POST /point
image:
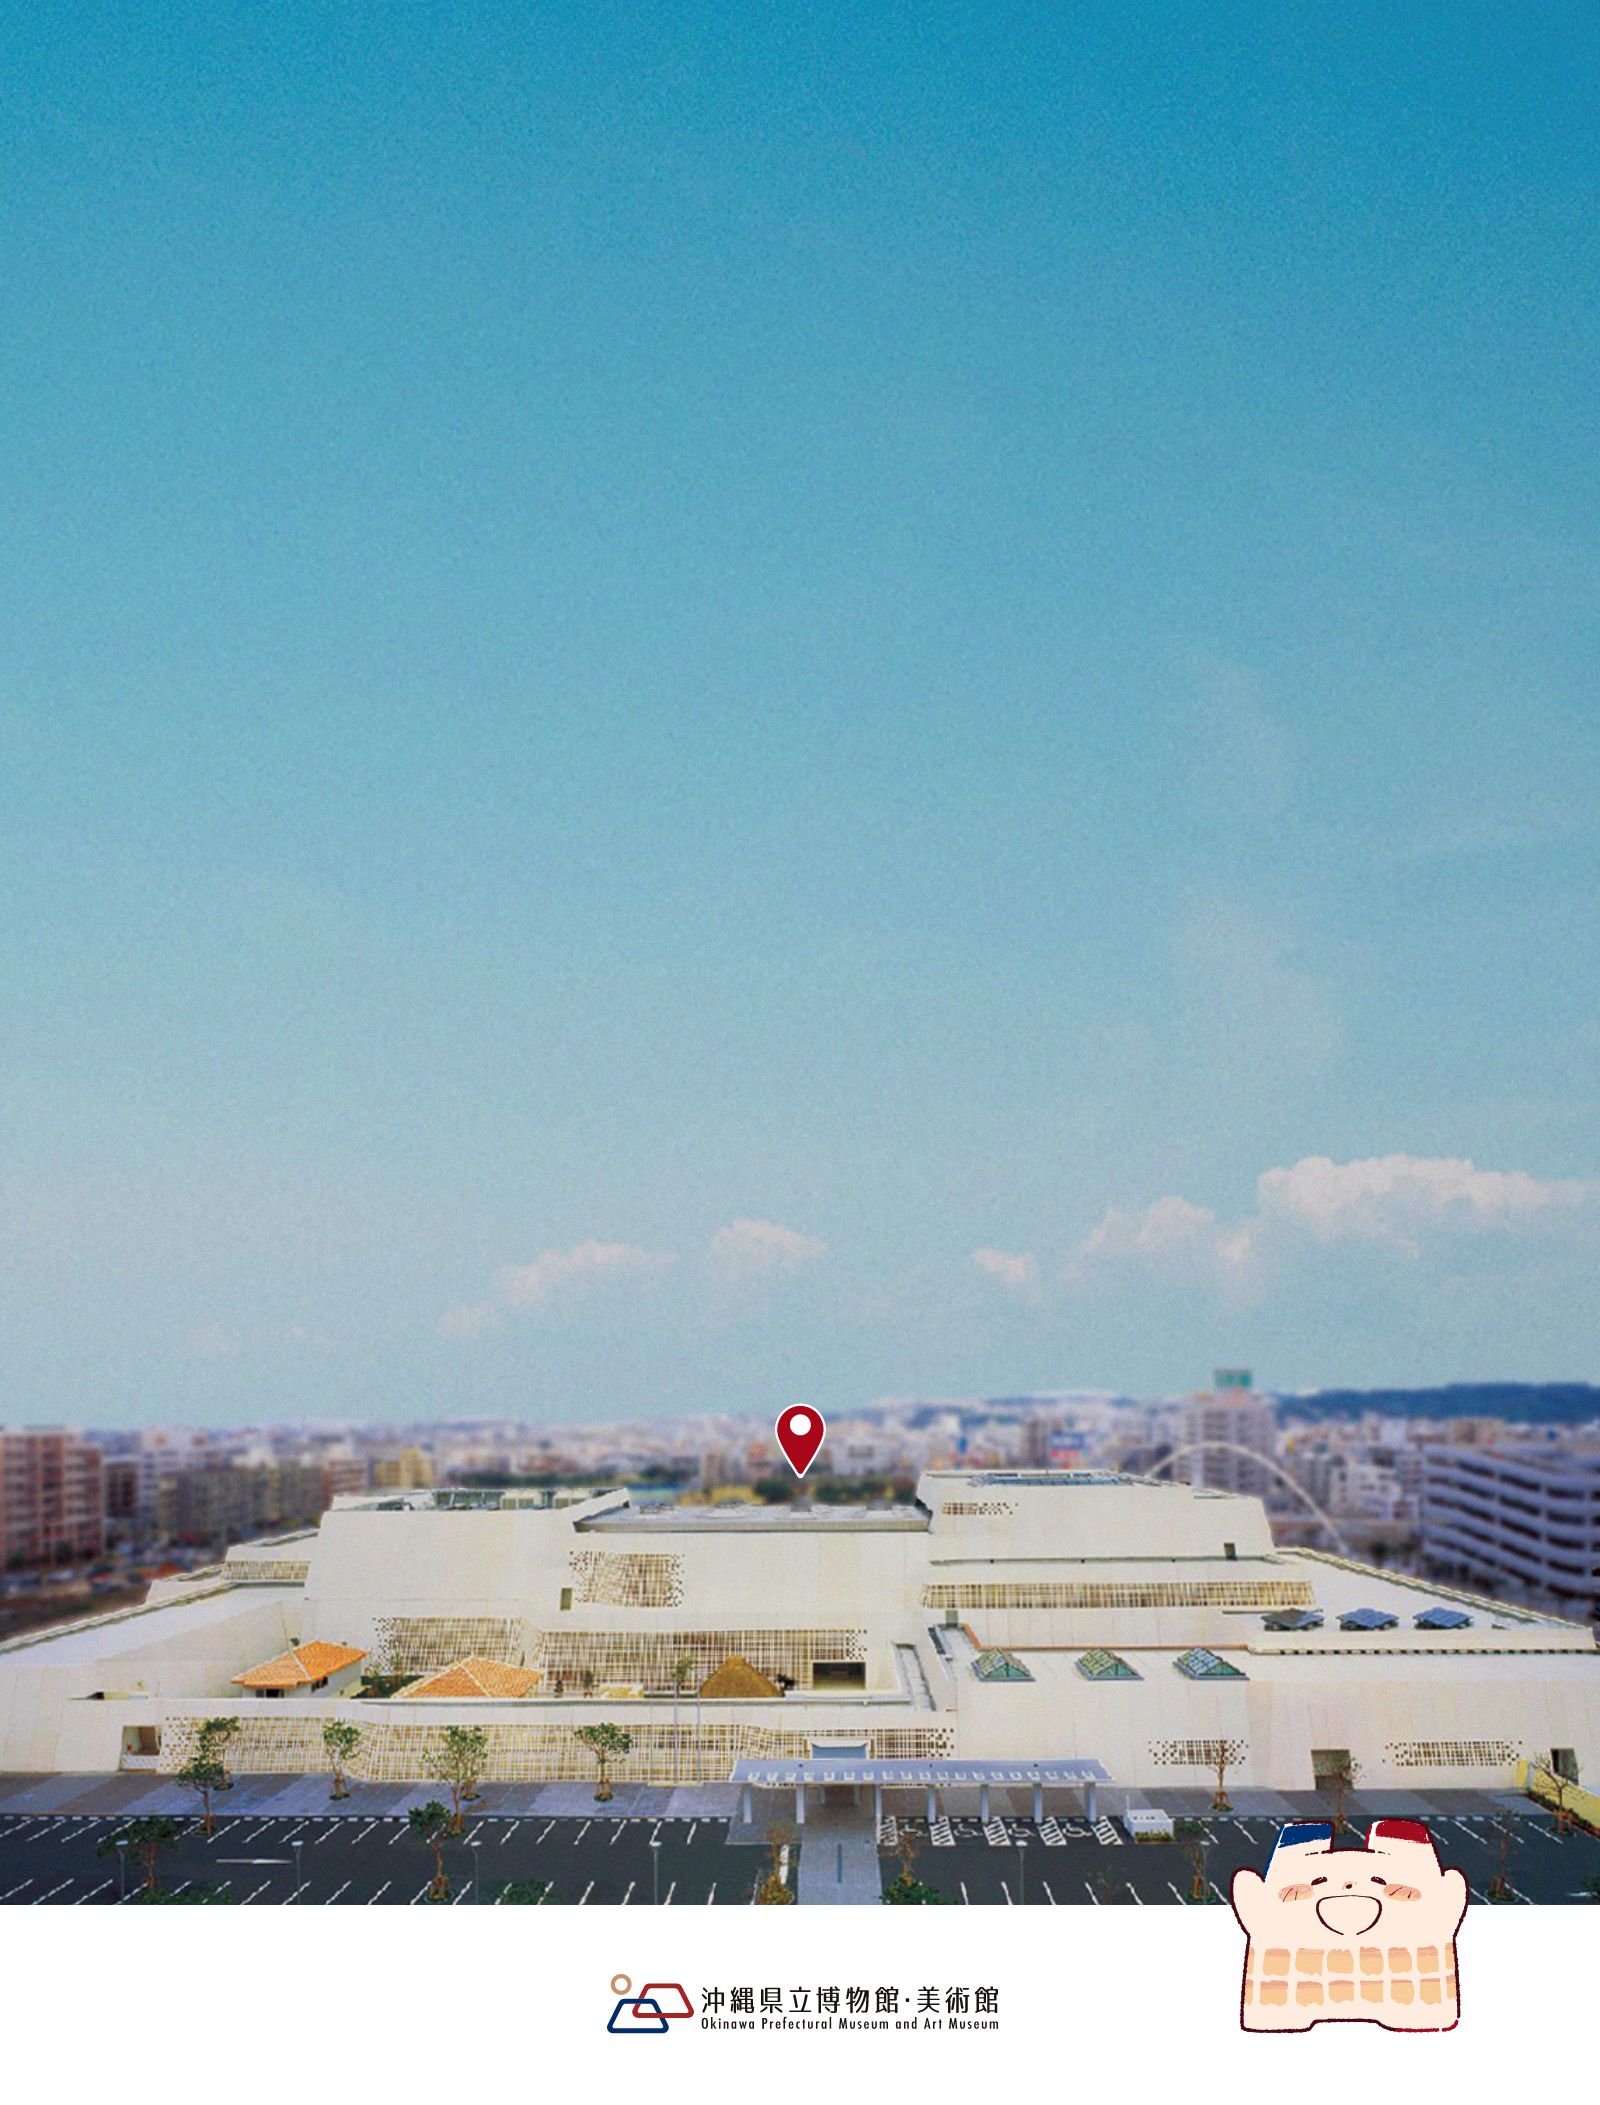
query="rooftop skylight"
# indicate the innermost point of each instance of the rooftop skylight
(1201, 1664)
(1101, 1665)
(997, 1665)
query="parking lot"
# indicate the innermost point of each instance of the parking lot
(605, 1861)
(347, 1861)
(1084, 1870)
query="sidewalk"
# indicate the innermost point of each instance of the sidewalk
(305, 1797)
(839, 1865)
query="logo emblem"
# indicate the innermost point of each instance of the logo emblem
(648, 2011)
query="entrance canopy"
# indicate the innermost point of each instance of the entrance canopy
(931, 1777)
(916, 1775)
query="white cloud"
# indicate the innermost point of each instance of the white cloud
(1400, 1199)
(745, 1250)
(1173, 1237)
(1399, 1203)
(1016, 1270)
(552, 1276)
(555, 1272)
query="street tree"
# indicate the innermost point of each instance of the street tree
(433, 1826)
(341, 1741)
(213, 1738)
(775, 1890)
(203, 1773)
(143, 1839)
(1220, 1757)
(464, 1751)
(1338, 1779)
(607, 1743)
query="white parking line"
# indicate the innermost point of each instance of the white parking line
(54, 1890)
(667, 1903)
(1177, 1896)
(584, 1895)
(1049, 1896)
(1093, 1895)
(510, 1831)
(1134, 1890)
(1006, 1890)
(26, 1883)
(257, 1893)
(965, 1895)
(388, 1882)
(82, 1897)
(629, 1894)
(711, 1896)
(539, 1837)
(582, 1831)
(616, 1834)
(693, 1824)
(354, 1839)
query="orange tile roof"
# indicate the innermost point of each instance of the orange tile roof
(474, 1677)
(301, 1667)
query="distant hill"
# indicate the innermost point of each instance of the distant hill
(1519, 1402)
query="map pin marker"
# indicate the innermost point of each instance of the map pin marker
(800, 1432)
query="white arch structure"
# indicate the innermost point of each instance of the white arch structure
(1262, 1461)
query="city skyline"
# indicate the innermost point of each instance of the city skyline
(786, 709)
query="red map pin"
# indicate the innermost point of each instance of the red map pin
(800, 1432)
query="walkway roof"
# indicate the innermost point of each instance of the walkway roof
(778, 1775)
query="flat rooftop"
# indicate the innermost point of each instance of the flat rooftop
(132, 1630)
(754, 1520)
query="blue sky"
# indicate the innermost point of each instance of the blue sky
(708, 706)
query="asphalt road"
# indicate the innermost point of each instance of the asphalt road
(351, 1861)
(1085, 1872)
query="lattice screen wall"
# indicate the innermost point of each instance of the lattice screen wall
(978, 1508)
(645, 1659)
(421, 1644)
(267, 1571)
(1453, 1754)
(627, 1578)
(1197, 1754)
(1129, 1593)
(532, 1753)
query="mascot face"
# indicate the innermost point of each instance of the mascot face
(1351, 1933)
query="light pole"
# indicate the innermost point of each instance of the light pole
(1022, 1871)
(122, 1869)
(655, 1870)
(298, 1881)
(477, 1871)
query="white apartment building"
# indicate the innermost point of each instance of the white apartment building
(1528, 1516)
(1016, 1615)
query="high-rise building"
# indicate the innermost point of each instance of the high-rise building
(232, 1502)
(1226, 1428)
(409, 1470)
(52, 1499)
